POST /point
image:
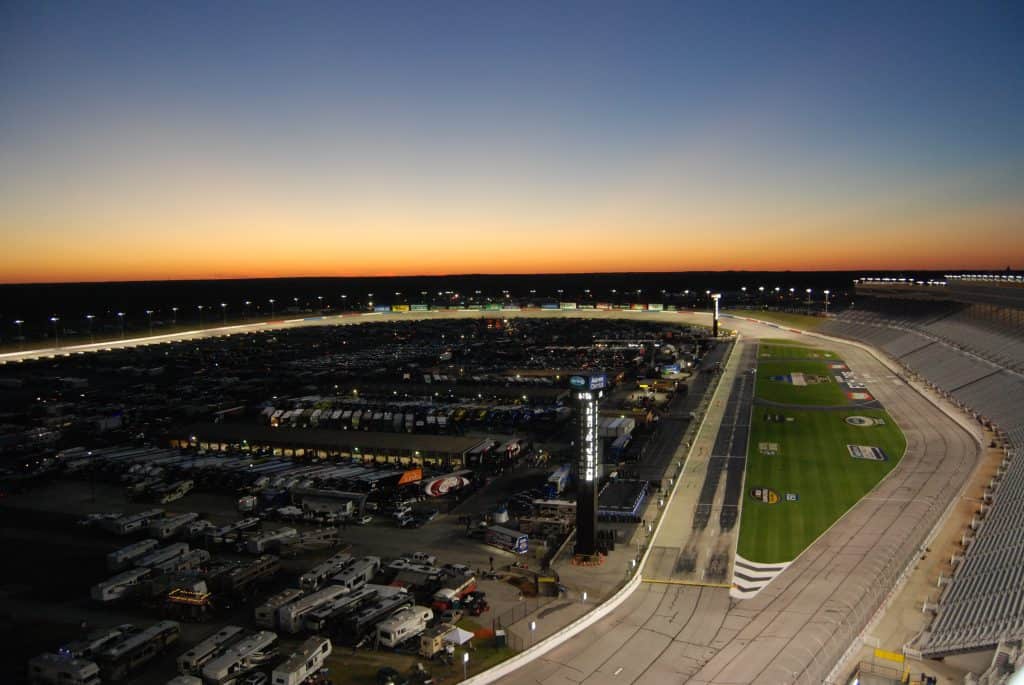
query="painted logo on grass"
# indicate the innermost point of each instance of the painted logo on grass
(864, 421)
(766, 495)
(868, 452)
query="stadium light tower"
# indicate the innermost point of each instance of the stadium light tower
(715, 297)
(587, 391)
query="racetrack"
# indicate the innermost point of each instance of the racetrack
(797, 628)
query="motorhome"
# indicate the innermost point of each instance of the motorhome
(266, 613)
(264, 541)
(122, 558)
(175, 491)
(118, 661)
(55, 669)
(311, 579)
(240, 658)
(162, 555)
(358, 573)
(163, 528)
(304, 662)
(119, 586)
(290, 616)
(361, 623)
(192, 661)
(96, 641)
(129, 523)
(327, 615)
(404, 625)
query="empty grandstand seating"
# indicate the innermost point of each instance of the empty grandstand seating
(975, 355)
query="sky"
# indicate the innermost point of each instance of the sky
(154, 140)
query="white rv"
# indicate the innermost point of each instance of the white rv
(54, 669)
(311, 579)
(266, 613)
(289, 617)
(191, 661)
(121, 558)
(358, 573)
(240, 658)
(404, 625)
(159, 556)
(163, 528)
(303, 663)
(118, 586)
(263, 541)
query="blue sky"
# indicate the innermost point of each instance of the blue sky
(521, 119)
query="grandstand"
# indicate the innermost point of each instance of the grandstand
(964, 337)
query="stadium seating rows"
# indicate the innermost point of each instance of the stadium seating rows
(976, 367)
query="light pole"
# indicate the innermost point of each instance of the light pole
(120, 315)
(174, 316)
(826, 302)
(808, 301)
(21, 333)
(200, 308)
(224, 311)
(149, 314)
(271, 308)
(248, 305)
(56, 331)
(320, 298)
(89, 318)
(465, 665)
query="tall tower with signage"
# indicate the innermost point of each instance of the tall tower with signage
(587, 391)
(714, 329)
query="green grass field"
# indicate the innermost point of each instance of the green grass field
(826, 393)
(810, 459)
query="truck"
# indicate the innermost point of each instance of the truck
(404, 625)
(558, 480)
(507, 539)
(307, 660)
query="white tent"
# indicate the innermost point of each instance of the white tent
(458, 636)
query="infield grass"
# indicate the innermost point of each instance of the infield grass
(826, 393)
(810, 460)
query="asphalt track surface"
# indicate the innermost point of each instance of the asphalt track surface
(797, 628)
